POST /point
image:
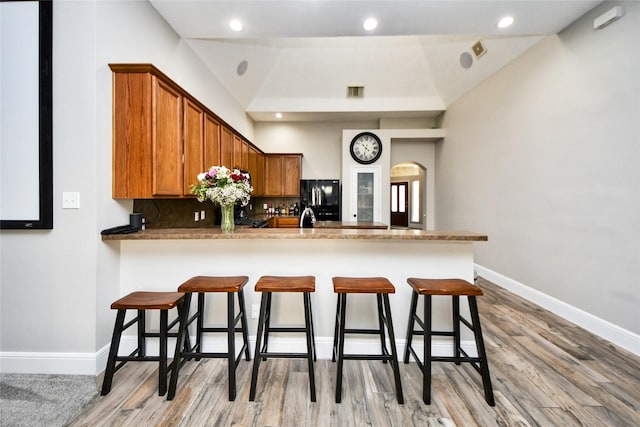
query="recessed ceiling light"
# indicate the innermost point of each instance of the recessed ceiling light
(235, 25)
(278, 115)
(505, 22)
(370, 24)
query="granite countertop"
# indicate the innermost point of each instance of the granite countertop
(350, 224)
(298, 233)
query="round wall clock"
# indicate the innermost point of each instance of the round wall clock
(365, 148)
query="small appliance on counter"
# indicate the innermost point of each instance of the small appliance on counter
(322, 196)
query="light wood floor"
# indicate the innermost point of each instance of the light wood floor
(545, 372)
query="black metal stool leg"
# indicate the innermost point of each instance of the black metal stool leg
(336, 330)
(394, 353)
(484, 364)
(267, 324)
(183, 312)
(456, 328)
(113, 352)
(243, 324)
(383, 344)
(343, 306)
(231, 348)
(257, 356)
(162, 371)
(412, 313)
(426, 364)
(313, 334)
(310, 345)
(142, 332)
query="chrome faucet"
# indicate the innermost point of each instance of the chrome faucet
(304, 213)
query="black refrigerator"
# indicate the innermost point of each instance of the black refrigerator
(323, 196)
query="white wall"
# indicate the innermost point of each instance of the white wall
(57, 285)
(543, 157)
(319, 142)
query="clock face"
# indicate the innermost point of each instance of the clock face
(366, 148)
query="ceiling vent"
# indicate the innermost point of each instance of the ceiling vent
(355, 91)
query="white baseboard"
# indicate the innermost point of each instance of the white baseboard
(94, 363)
(604, 329)
(54, 363)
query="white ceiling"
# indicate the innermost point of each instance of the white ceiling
(302, 54)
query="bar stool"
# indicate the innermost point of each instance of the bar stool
(142, 302)
(454, 288)
(365, 285)
(268, 285)
(232, 285)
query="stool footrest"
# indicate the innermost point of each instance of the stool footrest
(362, 331)
(284, 355)
(285, 329)
(367, 357)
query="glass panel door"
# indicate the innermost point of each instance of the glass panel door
(365, 196)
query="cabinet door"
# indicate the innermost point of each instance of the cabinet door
(253, 169)
(193, 130)
(131, 136)
(166, 140)
(226, 147)
(291, 166)
(366, 194)
(211, 142)
(260, 175)
(273, 175)
(240, 153)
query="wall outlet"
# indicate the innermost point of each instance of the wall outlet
(202, 214)
(255, 311)
(196, 216)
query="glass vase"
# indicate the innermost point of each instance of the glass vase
(226, 223)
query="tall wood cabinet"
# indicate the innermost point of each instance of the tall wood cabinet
(147, 134)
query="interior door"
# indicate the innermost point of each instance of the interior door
(399, 204)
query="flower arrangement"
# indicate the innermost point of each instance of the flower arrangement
(224, 186)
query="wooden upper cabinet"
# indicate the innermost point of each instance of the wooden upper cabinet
(226, 147)
(193, 130)
(240, 153)
(272, 175)
(212, 129)
(282, 174)
(132, 118)
(167, 139)
(291, 171)
(163, 138)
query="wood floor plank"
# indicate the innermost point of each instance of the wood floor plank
(545, 372)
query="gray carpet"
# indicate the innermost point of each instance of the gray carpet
(43, 400)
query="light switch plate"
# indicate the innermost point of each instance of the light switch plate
(70, 200)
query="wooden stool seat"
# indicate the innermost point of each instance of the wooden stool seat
(444, 287)
(148, 301)
(381, 287)
(362, 285)
(455, 288)
(269, 285)
(141, 302)
(214, 284)
(286, 284)
(201, 285)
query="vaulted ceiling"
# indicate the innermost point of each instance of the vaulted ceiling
(298, 57)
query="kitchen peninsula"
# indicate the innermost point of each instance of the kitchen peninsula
(162, 259)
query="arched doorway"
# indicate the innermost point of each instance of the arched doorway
(407, 197)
